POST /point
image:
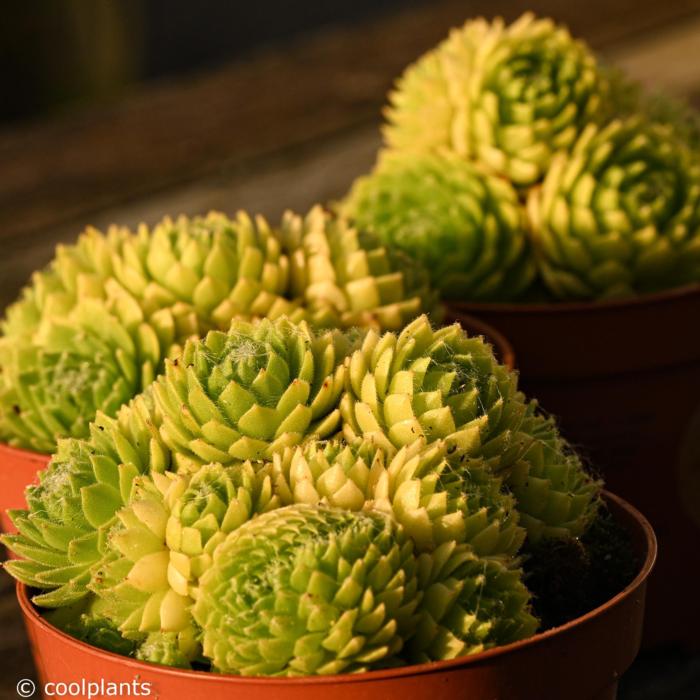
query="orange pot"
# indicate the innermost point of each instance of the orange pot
(581, 660)
(18, 469)
(624, 379)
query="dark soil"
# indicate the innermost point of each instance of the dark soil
(568, 578)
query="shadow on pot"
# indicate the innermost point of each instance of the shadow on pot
(581, 660)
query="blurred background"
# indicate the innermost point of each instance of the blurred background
(124, 112)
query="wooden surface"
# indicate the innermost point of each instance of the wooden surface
(283, 129)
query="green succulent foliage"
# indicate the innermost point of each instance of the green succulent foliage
(131, 580)
(94, 329)
(470, 604)
(309, 590)
(433, 385)
(556, 497)
(465, 226)
(62, 534)
(434, 496)
(508, 97)
(620, 214)
(217, 501)
(98, 632)
(348, 278)
(250, 392)
(166, 649)
(88, 361)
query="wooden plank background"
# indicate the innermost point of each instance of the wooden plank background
(284, 128)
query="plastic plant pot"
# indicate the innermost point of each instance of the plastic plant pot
(18, 469)
(581, 660)
(623, 378)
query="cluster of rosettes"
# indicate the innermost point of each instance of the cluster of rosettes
(285, 501)
(517, 167)
(95, 328)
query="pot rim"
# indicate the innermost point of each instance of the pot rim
(24, 453)
(32, 617)
(554, 307)
(494, 337)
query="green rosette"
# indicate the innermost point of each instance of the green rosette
(166, 649)
(508, 97)
(347, 278)
(465, 226)
(70, 513)
(131, 581)
(426, 384)
(620, 214)
(556, 497)
(223, 268)
(250, 392)
(434, 496)
(217, 501)
(94, 328)
(470, 604)
(88, 361)
(309, 590)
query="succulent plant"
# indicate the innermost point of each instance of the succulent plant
(556, 498)
(308, 590)
(470, 604)
(347, 278)
(95, 328)
(433, 384)
(97, 632)
(87, 361)
(248, 393)
(508, 97)
(62, 533)
(620, 214)
(465, 226)
(131, 580)
(217, 501)
(433, 496)
(166, 649)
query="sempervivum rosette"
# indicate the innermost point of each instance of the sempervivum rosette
(433, 384)
(469, 605)
(556, 497)
(620, 214)
(94, 328)
(347, 278)
(217, 500)
(309, 590)
(131, 580)
(433, 495)
(90, 360)
(222, 268)
(61, 534)
(506, 96)
(465, 226)
(249, 392)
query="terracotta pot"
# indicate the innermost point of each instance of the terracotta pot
(18, 469)
(624, 379)
(582, 660)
